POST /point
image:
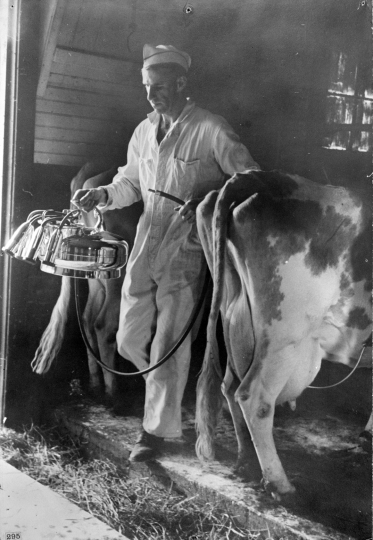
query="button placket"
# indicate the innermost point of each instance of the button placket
(165, 150)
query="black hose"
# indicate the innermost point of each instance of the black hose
(192, 320)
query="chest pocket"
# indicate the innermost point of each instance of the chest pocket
(184, 178)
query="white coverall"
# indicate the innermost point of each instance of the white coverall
(166, 268)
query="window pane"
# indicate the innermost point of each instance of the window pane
(362, 142)
(363, 112)
(339, 110)
(367, 112)
(337, 141)
(349, 105)
(343, 78)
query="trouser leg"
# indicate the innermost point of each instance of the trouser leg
(138, 316)
(165, 385)
(154, 314)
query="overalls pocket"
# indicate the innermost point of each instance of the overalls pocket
(184, 178)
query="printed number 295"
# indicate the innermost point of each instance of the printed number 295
(13, 536)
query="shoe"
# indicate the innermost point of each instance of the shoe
(146, 447)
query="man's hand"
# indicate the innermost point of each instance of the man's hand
(188, 210)
(87, 199)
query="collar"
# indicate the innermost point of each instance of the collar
(154, 117)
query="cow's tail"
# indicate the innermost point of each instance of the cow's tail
(209, 395)
(52, 338)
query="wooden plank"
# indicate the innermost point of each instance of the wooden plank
(50, 45)
(117, 121)
(91, 66)
(72, 109)
(83, 98)
(73, 149)
(47, 158)
(91, 85)
(75, 135)
(134, 100)
(72, 122)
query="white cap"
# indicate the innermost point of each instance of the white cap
(164, 54)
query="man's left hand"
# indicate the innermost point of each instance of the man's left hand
(188, 210)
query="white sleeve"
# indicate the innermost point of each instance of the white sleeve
(230, 153)
(125, 187)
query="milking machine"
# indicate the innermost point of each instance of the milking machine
(64, 246)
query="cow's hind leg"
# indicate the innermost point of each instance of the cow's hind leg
(106, 327)
(257, 397)
(247, 462)
(239, 344)
(96, 297)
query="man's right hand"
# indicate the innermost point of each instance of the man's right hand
(87, 199)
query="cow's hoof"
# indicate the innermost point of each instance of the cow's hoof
(283, 496)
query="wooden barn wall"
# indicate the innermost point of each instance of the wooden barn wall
(263, 64)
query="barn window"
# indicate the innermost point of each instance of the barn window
(349, 105)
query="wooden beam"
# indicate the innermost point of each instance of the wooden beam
(50, 45)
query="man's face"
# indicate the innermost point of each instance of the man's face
(162, 91)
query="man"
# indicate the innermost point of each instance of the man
(185, 151)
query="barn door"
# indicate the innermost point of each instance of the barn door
(10, 154)
(9, 31)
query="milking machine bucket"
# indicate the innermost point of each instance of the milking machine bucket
(65, 246)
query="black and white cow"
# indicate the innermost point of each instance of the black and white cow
(290, 261)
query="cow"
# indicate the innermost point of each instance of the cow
(101, 313)
(290, 261)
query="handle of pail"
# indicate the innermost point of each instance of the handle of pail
(100, 222)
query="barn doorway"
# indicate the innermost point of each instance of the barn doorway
(9, 27)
